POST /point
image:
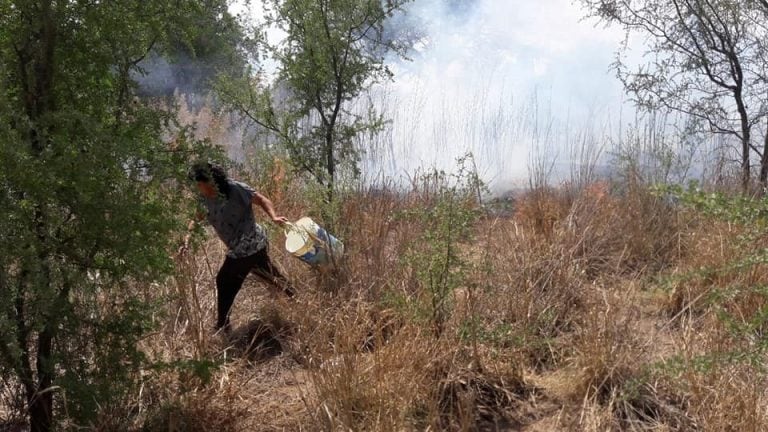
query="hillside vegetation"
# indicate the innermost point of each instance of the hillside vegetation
(620, 299)
(611, 306)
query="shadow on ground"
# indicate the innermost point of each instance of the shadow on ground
(259, 340)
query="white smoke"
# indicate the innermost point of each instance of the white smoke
(503, 79)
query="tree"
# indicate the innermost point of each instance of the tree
(84, 211)
(762, 70)
(704, 59)
(333, 51)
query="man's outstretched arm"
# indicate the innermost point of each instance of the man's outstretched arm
(269, 208)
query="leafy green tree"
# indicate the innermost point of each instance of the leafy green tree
(334, 50)
(87, 203)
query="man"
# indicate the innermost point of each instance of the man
(228, 204)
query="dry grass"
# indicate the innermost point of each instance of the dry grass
(574, 331)
(578, 316)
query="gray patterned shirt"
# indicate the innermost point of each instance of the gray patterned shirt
(232, 218)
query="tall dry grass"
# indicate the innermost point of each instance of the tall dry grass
(578, 313)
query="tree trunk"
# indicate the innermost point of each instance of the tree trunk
(39, 406)
(41, 403)
(745, 169)
(40, 400)
(764, 164)
(330, 165)
(745, 140)
(41, 409)
(40, 101)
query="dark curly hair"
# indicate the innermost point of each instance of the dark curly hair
(210, 173)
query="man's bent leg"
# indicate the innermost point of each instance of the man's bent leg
(266, 269)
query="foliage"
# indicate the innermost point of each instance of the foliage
(735, 291)
(748, 211)
(88, 198)
(333, 51)
(437, 257)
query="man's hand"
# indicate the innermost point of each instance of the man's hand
(280, 220)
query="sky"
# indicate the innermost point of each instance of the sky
(502, 79)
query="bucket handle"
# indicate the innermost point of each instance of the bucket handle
(293, 227)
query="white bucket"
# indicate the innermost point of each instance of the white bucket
(311, 243)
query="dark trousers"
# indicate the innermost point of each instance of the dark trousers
(233, 272)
